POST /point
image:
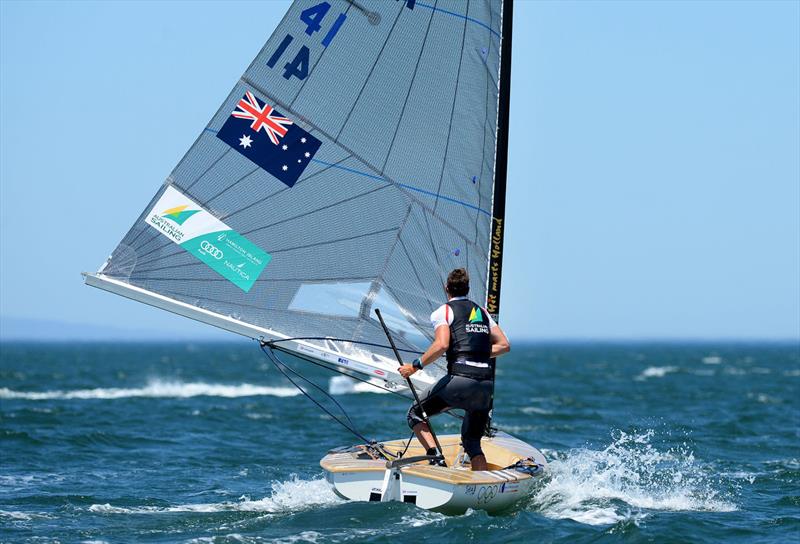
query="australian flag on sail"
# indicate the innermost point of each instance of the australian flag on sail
(268, 138)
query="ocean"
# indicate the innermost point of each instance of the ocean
(192, 442)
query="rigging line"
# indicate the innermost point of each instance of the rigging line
(317, 387)
(410, 188)
(452, 111)
(408, 93)
(454, 14)
(278, 363)
(326, 367)
(273, 345)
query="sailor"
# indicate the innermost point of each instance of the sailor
(471, 339)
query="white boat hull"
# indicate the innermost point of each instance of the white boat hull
(450, 490)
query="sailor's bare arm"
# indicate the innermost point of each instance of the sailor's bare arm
(500, 343)
(440, 344)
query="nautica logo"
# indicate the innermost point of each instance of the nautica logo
(475, 316)
(179, 214)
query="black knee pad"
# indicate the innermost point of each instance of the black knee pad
(414, 416)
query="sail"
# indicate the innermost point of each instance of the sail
(352, 166)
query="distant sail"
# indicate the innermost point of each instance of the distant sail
(351, 167)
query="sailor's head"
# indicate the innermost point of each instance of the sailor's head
(457, 283)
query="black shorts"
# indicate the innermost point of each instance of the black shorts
(471, 395)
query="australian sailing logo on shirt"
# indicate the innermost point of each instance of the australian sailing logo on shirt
(476, 324)
(224, 250)
(269, 138)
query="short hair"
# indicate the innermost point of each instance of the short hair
(458, 282)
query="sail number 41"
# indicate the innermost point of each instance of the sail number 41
(313, 18)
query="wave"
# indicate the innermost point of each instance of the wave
(621, 481)
(343, 385)
(156, 388)
(13, 515)
(655, 372)
(290, 496)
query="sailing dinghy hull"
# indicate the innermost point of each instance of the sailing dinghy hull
(356, 476)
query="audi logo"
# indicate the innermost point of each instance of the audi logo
(208, 248)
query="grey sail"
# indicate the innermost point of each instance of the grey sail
(367, 175)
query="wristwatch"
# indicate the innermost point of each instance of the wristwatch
(417, 364)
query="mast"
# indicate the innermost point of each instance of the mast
(494, 277)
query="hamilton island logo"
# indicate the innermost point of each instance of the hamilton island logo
(476, 316)
(179, 214)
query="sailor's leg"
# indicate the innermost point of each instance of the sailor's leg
(423, 434)
(471, 433)
(432, 404)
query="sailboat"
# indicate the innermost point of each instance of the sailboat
(360, 157)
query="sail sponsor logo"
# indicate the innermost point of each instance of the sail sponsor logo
(196, 230)
(207, 248)
(179, 214)
(171, 220)
(495, 267)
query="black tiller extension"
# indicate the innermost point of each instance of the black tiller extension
(411, 386)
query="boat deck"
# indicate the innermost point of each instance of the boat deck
(500, 451)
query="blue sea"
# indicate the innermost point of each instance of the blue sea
(176, 442)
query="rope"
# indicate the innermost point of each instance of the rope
(323, 365)
(278, 364)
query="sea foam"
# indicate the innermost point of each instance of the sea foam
(289, 496)
(156, 388)
(622, 481)
(655, 372)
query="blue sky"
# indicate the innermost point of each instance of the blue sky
(654, 165)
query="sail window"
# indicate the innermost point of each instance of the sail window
(337, 299)
(399, 320)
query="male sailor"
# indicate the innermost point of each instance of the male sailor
(471, 339)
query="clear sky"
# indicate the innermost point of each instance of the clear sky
(654, 164)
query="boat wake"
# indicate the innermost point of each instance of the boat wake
(287, 497)
(622, 481)
(156, 389)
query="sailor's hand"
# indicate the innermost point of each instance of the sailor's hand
(407, 370)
